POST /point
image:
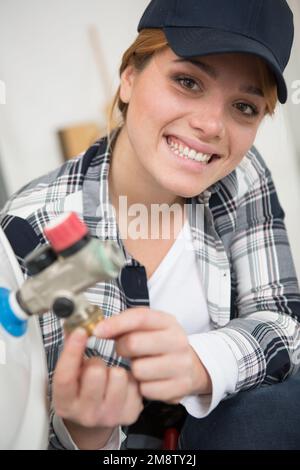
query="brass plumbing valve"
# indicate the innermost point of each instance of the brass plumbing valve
(64, 269)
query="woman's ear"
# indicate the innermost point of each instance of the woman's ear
(127, 81)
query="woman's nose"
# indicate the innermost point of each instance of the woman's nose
(209, 121)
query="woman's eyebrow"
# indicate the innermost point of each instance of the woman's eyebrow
(209, 70)
(252, 90)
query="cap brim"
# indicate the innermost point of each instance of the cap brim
(192, 42)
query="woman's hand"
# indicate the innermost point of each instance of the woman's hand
(92, 398)
(162, 360)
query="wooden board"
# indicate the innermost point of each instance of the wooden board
(76, 139)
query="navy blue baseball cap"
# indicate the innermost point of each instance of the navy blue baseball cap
(264, 28)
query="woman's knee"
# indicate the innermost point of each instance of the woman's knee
(264, 418)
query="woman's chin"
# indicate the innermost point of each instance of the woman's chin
(185, 191)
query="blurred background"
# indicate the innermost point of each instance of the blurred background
(59, 62)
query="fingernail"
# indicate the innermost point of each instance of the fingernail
(100, 329)
(79, 334)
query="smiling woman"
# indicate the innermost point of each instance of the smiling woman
(211, 311)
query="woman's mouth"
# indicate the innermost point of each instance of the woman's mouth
(184, 152)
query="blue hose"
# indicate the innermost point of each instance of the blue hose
(8, 320)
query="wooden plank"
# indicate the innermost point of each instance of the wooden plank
(76, 139)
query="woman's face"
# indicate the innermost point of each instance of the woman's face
(181, 113)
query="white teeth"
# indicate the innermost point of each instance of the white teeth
(202, 158)
(192, 154)
(187, 152)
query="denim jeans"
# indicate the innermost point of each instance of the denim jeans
(265, 418)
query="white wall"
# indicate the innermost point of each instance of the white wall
(52, 80)
(51, 77)
(275, 142)
(279, 142)
(293, 78)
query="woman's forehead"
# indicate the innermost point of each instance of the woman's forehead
(233, 71)
(212, 60)
(239, 64)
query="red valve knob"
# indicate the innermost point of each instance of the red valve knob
(170, 440)
(65, 231)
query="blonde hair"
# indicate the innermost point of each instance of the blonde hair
(139, 54)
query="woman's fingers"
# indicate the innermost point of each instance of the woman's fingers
(115, 395)
(133, 319)
(93, 383)
(151, 343)
(123, 402)
(134, 402)
(163, 367)
(163, 390)
(109, 400)
(89, 393)
(67, 372)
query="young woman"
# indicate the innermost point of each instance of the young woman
(210, 310)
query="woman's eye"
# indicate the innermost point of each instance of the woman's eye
(247, 109)
(188, 83)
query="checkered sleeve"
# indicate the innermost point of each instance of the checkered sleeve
(264, 334)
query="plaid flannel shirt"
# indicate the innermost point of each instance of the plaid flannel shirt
(241, 249)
